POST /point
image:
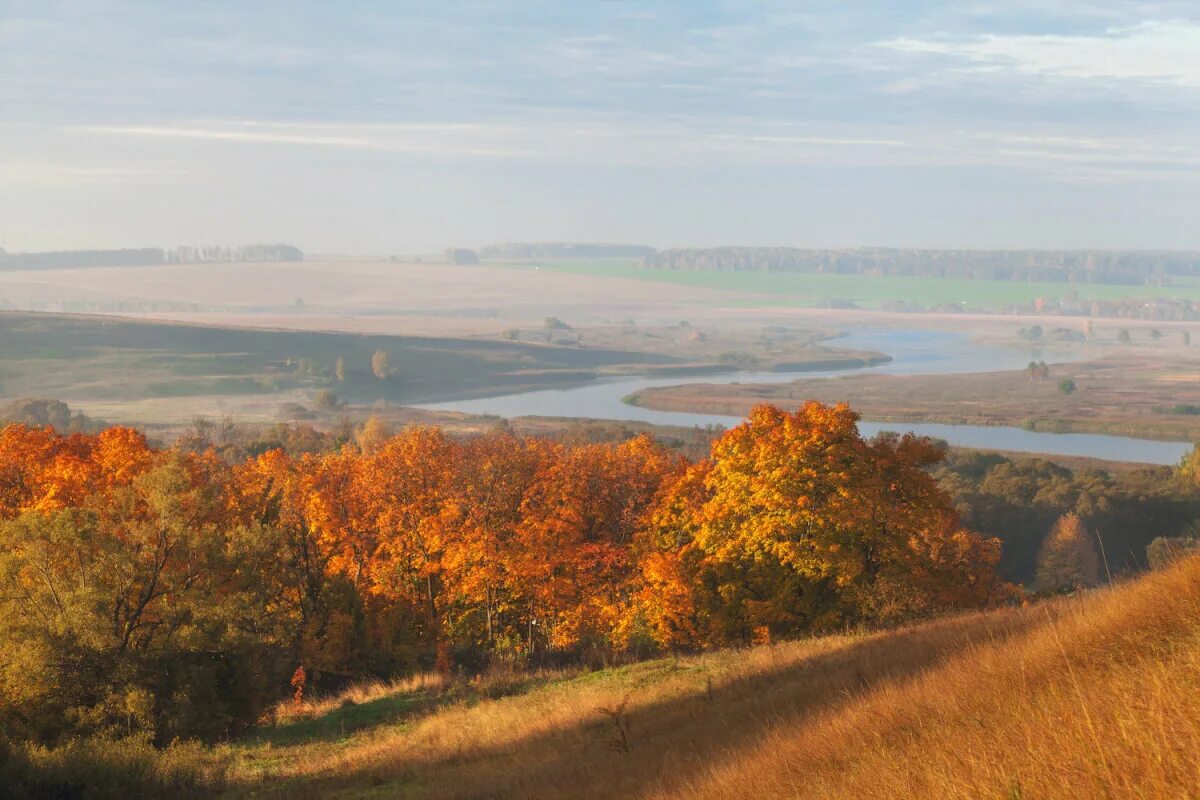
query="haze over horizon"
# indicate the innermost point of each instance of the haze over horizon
(406, 127)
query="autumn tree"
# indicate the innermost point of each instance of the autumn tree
(139, 594)
(339, 369)
(578, 526)
(177, 592)
(491, 601)
(296, 504)
(372, 434)
(404, 488)
(326, 400)
(1067, 561)
(1187, 471)
(380, 364)
(797, 523)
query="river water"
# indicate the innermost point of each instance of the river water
(912, 352)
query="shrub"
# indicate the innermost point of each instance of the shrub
(104, 768)
(1165, 550)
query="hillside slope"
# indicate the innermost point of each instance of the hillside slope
(1102, 700)
(1076, 697)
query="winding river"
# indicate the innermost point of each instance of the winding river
(912, 352)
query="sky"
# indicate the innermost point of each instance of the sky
(398, 127)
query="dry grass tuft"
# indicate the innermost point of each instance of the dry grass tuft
(286, 711)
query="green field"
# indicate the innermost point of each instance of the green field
(810, 289)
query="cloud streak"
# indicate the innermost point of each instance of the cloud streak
(1165, 53)
(650, 143)
(604, 107)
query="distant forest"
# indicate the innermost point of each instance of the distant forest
(150, 256)
(565, 250)
(1143, 268)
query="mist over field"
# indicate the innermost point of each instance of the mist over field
(506, 400)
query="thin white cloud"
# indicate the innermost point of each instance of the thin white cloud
(1161, 52)
(39, 174)
(604, 141)
(430, 139)
(835, 142)
(599, 141)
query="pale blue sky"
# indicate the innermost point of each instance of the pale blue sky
(403, 127)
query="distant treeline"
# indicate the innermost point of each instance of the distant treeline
(565, 250)
(1151, 268)
(149, 256)
(249, 252)
(1156, 308)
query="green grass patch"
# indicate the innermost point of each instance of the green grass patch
(808, 289)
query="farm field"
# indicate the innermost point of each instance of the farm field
(373, 296)
(807, 289)
(465, 299)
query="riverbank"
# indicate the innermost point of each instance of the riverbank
(1141, 394)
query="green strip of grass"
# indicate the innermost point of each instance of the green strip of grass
(806, 289)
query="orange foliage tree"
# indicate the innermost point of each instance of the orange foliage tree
(798, 523)
(417, 550)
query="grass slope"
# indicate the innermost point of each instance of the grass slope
(108, 358)
(1096, 696)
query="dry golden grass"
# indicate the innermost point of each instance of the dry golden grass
(614, 732)
(1091, 697)
(288, 711)
(1101, 701)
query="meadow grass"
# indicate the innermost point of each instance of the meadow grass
(1103, 700)
(108, 768)
(1090, 696)
(607, 733)
(92, 358)
(1096, 695)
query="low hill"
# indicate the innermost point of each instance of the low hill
(1091, 696)
(83, 358)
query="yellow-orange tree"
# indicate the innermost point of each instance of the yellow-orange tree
(796, 523)
(128, 601)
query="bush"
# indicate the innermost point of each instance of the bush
(104, 768)
(1186, 409)
(1066, 386)
(327, 400)
(1165, 550)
